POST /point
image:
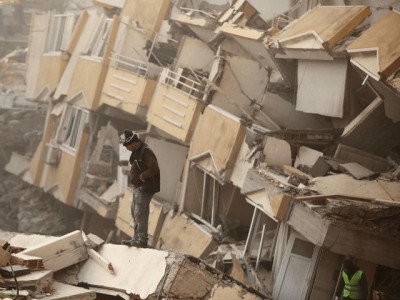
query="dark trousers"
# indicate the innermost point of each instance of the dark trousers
(140, 210)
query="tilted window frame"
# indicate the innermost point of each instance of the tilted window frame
(74, 120)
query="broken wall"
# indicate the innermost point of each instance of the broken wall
(240, 94)
(147, 15)
(204, 55)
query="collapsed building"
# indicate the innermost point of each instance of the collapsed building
(277, 134)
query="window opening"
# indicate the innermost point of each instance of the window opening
(60, 31)
(73, 124)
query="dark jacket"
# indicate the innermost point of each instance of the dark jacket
(145, 173)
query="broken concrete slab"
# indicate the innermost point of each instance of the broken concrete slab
(357, 171)
(307, 137)
(217, 153)
(342, 238)
(392, 188)
(106, 204)
(368, 160)
(40, 280)
(372, 131)
(17, 165)
(318, 78)
(182, 234)
(62, 291)
(244, 162)
(137, 271)
(307, 157)
(62, 252)
(110, 3)
(346, 185)
(259, 189)
(308, 32)
(24, 241)
(15, 270)
(231, 292)
(320, 168)
(32, 262)
(277, 152)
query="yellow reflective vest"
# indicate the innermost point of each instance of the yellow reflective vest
(352, 287)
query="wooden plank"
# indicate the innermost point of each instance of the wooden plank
(62, 252)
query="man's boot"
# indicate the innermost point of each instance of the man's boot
(138, 244)
(134, 243)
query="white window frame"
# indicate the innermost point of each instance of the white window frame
(99, 41)
(74, 119)
(59, 34)
(209, 206)
(258, 226)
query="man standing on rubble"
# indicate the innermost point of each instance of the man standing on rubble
(145, 178)
(353, 284)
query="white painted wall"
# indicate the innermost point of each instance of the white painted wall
(321, 87)
(171, 158)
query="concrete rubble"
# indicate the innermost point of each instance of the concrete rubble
(276, 128)
(42, 271)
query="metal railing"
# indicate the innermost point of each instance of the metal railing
(188, 86)
(201, 12)
(129, 64)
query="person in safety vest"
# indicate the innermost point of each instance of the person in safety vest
(145, 179)
(353, 284)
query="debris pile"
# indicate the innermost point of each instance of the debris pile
(35, 266)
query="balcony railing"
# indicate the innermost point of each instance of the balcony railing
(185, 84)
(129, 64)
(190, 11)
